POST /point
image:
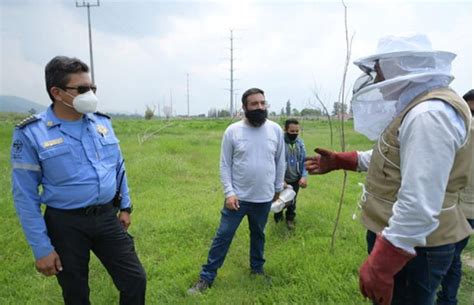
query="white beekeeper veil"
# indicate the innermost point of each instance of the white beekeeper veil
(406, 63)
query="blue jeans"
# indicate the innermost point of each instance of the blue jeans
(450, 284)
(417, 282)
(257, 214)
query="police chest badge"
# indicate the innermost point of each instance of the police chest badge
(53, 142)
(102, 130)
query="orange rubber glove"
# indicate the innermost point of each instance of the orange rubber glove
(377, 272)
(327, 161)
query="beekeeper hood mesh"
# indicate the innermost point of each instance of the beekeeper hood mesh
(407, 64)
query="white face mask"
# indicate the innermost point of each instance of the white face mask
(84, 103)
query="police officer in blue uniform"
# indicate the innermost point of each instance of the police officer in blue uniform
(72, 152)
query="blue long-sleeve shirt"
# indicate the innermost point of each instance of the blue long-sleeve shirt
(295, 154)
(75, 163)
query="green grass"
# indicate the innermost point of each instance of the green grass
(175, 188)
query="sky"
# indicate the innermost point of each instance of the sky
(144, 50)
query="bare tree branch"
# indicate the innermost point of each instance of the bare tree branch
(147, 135)
(318, 98)
(343, 141)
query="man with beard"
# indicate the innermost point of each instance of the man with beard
(252, 169)
(415, 170)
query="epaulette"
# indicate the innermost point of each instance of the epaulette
(102, 114)
(28, 120)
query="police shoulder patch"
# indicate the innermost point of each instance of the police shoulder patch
(28, 120)
(102, 114)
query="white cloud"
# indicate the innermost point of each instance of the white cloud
(284, 47)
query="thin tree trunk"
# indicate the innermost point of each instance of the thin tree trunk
(343, 143)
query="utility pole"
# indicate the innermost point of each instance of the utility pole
(232, 73)
(171, 101)
(187, 90)
(88, 5)
(164, 106)
(236, 108)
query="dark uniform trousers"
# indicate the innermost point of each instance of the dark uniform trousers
(290, 209)
(74, 233)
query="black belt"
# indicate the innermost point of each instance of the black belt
(89, 210)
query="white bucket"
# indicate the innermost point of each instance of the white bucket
(285, 198)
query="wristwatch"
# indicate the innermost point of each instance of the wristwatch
(128, 210)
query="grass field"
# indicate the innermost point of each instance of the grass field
(175, 188)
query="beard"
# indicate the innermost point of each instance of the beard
(256, 117)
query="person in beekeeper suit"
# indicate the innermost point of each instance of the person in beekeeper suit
(415, 169)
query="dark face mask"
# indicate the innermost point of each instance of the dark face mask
(256, 117)
(292, 136)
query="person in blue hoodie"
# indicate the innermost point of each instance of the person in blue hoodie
(296, 174)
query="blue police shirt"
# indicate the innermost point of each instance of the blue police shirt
(77, 164)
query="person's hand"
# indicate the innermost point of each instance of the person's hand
(276, 196)
(49, 265)
(303, 182)
(124, 218)
(312, 164)
(232, 203)
(377, 272)
(326, 161)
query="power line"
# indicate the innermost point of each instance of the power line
(88, 5)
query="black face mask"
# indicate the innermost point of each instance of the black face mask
(292, 136)
(256, 117)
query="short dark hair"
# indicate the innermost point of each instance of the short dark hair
(288, 122)
(57, 71)
(469, 96)
(250, 92)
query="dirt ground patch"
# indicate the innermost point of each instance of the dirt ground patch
(468, 260)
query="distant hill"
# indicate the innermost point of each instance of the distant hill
(10, 103)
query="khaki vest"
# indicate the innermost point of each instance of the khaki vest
(467, 194)
(384, 177)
